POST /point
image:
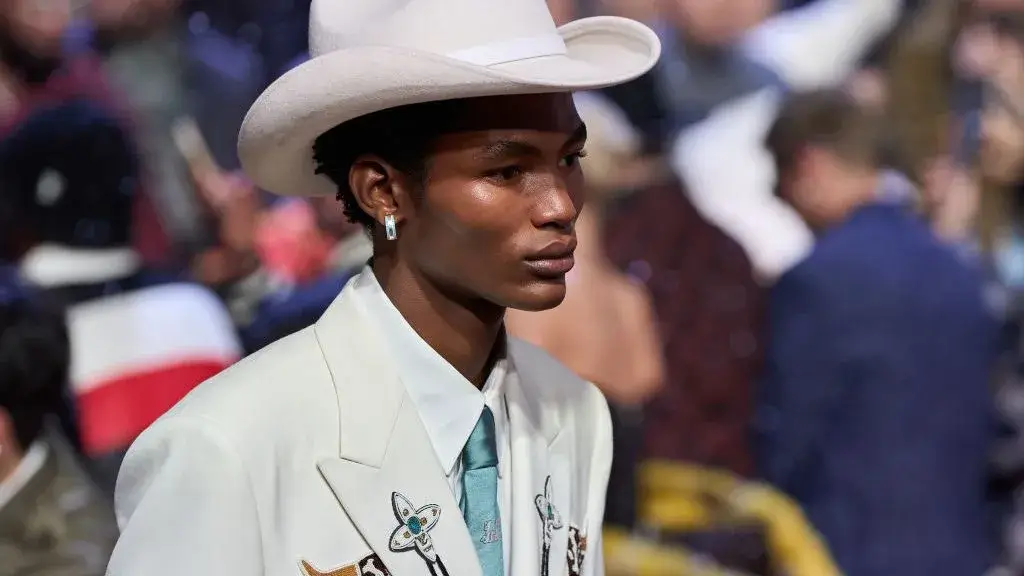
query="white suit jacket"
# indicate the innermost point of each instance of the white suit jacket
(308, 458)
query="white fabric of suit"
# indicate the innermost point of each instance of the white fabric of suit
(288, 463)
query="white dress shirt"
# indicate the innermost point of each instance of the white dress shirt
(448, 404)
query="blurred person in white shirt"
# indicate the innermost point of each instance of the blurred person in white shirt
(728, 173)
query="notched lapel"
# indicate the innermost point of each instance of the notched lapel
(386, 471)
(405, 509)
(535, 438)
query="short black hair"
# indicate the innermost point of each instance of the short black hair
(34, 362)
(402, 137)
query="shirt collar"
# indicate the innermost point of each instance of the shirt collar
(448, 404)
(51, 265)
(30, 465)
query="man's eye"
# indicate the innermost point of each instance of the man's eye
(573, 159)
(507, 173)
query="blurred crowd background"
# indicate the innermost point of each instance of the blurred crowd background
(803, 383)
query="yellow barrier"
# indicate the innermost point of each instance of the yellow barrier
(677, 497)
(627, 555)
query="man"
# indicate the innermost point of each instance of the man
(69, 175)
(403, 433)
(53, 521)
(41, 65)
(712, 310)
(141, 44)
(815, 46)
(604, 330)
(875, 410)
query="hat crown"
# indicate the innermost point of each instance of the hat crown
(462, 29)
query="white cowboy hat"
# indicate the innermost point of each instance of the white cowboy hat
(369, 55)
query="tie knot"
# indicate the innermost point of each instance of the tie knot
(481, 449)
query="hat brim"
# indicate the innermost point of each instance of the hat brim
(275, 144)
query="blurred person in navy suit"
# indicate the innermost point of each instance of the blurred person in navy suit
(875, 411)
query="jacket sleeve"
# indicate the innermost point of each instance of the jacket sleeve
(600, 471)
(185, 505)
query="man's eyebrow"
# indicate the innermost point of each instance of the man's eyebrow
(503, 149)
(512, 148)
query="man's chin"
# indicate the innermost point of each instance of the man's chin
(538, 296)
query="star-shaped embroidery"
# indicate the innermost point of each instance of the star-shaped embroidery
(549, 516)
(414, 527)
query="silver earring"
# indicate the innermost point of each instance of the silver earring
(390, 228)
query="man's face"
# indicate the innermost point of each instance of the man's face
(38, 25)
(496, 218)
(1002, 117)
(642, 10)
(1002, 147)
(809, 187)
(118, 14)
(717, 22)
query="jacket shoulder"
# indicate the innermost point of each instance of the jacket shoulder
(549, 381)
(287, 381)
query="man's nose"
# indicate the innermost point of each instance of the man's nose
(558, 207)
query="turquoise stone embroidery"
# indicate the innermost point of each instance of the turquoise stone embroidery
(414, 524)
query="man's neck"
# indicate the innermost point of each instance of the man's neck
(463, 331)
(851, 194)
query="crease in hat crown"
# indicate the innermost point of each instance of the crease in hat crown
(480, 32)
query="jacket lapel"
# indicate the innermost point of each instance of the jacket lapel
(387, 477)
(540, 475)
(561, 498)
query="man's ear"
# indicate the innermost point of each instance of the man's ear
(379, 188)
(812, 159)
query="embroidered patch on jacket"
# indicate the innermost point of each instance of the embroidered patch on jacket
(577, 550)
(309, 570)
(372, 566)
(413, 531)
(550, 520)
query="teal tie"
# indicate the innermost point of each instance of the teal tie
(480, 494)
